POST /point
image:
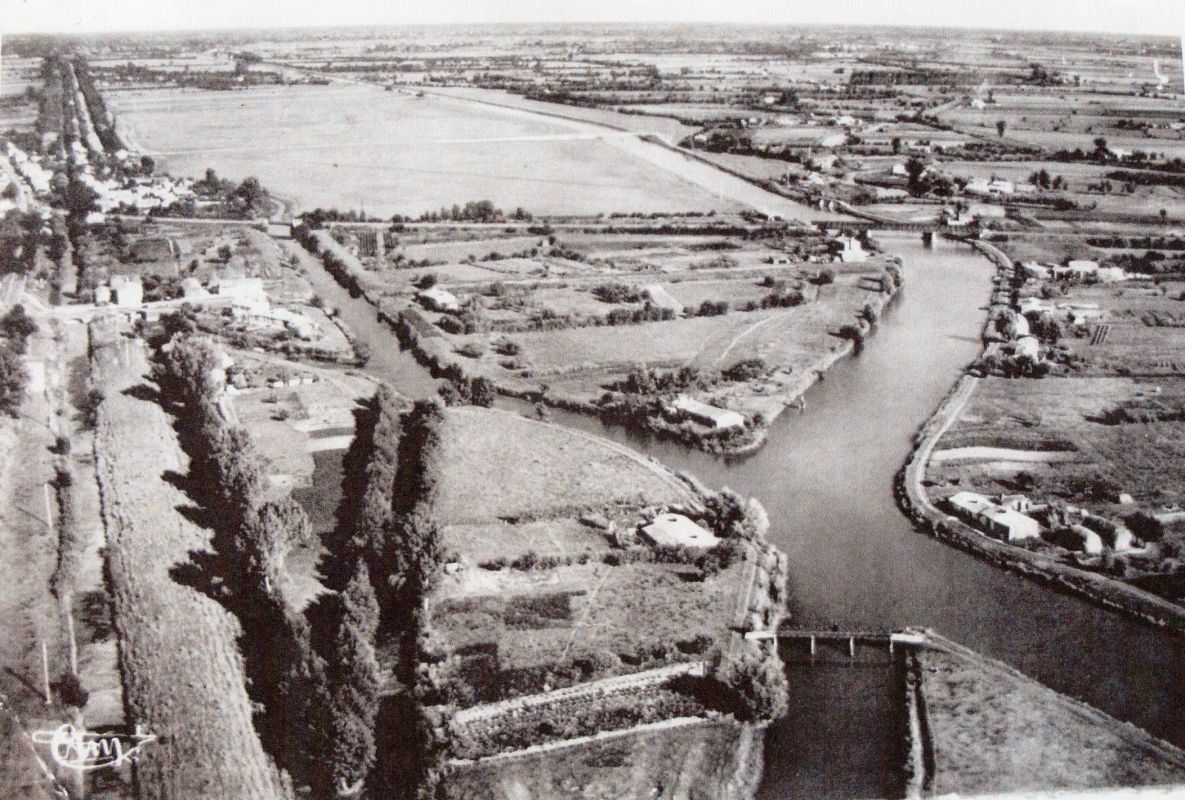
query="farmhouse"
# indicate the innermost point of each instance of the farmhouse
(1076, 270)
(852, 251)
(438, 299)
(676, 530)
(715, 418)
(127, 291)
(998, 521)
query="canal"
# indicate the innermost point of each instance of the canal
(825, 476)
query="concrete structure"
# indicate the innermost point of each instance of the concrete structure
(710, 416)
(1003, 522)
(676, 530)
(438, 299)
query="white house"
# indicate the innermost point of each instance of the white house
(852, 251)
(709, 416)
(1027, 347)
(127, 291)
(676, 530)
(438, 299)
(1001, 522)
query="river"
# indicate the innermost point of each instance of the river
(825, 477)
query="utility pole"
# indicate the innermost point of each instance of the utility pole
(45, 672)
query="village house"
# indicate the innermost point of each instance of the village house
(438, 299)
(676, 530)
(1036, 305)
(1002, 522)
(1032, 269)
(1028, 348)
(851, 251)
(1078, 270)
(126, 291)
(717, 419)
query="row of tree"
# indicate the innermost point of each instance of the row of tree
(314, 686)
(15, 329)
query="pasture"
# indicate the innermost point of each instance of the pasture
(358, 147)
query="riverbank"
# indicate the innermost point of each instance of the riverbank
(914, 502)
(992, 729)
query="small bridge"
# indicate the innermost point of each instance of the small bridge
(932, 226)
(849, 640)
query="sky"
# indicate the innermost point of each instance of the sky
(1166, 17)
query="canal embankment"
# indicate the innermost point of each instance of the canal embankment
(911, 495)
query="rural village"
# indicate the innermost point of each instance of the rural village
(529, 411)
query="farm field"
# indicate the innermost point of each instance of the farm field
(705, 757)
(549, 587)
(356, 147)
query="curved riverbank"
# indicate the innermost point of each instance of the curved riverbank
(909, 490)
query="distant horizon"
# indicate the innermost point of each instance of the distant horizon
(581, 24)
(1159, 18)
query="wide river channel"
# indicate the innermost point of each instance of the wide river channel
(825, 476)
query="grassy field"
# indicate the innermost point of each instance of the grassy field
(995, 731)
(511, 629)
(357, 146)
(543, 471)
(699, 761)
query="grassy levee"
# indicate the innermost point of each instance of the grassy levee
(182, 671)
(995, 730)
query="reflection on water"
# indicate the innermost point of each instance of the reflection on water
(825, 476)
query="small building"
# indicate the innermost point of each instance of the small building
(998, 521)
(1032, 269)
(438, 299)
(1027, 347)
(709, 416)
(192, 289)
(127, 291)
(1036, 305)
(852, 251)
(676, 530)
(1078, 270)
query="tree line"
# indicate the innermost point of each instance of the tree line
(314, 700)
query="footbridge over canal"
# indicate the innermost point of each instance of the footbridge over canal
(816, 641)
